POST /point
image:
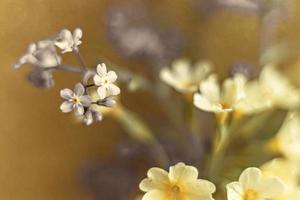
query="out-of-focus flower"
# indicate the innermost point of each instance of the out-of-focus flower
(278, 89)
(288, 171)
(284, 168)
(91, 115)
(211, 99)
(252, 185)
(181, 183)
(183, 77)
(133, 34)
(288, 137)
(41, 54)
(107, 101)
(105, 81)
(67, 41)
(245, 5)
(75, 101)
(41, 78)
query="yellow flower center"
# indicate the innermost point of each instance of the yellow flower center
(250, 195)
(75, 100)
(106, 81)
(175, 192)
(175, 189)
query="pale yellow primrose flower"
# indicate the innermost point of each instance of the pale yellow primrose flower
(252, 185)
(255, 99)
(181, 183)
(288, 171)
(288, 137)
(183, 77)
(278, 89)
(212, 99)
(284, 168)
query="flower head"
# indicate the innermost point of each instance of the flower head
(212, 99)
(41, 54)
(67, 41)
(252, 185)
(181, 183)
(75, 101)
(278, 89)
(41, 78)
(91, 115)
(183, 77)
(104, 80)
(288, 137)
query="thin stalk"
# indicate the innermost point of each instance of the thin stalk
(70, 68)
(218, 153)
(80, 60)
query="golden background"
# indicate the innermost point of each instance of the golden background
(41, 149)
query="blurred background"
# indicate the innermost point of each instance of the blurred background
(46, 155)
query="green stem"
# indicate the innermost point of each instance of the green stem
(218, 153)
(138, 130)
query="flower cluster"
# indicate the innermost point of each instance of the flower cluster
(181, 183)
(84, 103)
(45, 60)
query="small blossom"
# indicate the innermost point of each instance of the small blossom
(105, 82)
(211, 99)
(108, 101)
(41, 54)
(41, 78)
(288, 137)
(183, 77)
(252, 185)
(180, 183)
(75, 101)
(67, 41)
(278, 89)
(91, 116)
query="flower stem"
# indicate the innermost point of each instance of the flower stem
(218, 153)
(70, 68)
(138, 130)
(80, 59)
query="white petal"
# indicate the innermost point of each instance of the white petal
(154, 195)
(234, 191)
(183, 173)
(102, 92)
(200, 187)
(98, 80)
(79, 89)
(32, 48)
(66, 106)
(113, 89)
(101, 70)
(210, 89)
(199, 197)
(203, 103)
(88, 118)
(78, 109)
(77, 35)
(112, 76)
(271, 187)
(66, 93)
(250, 178)
(158, 175)
(64, 40)
(85, 100)
(148, 184)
